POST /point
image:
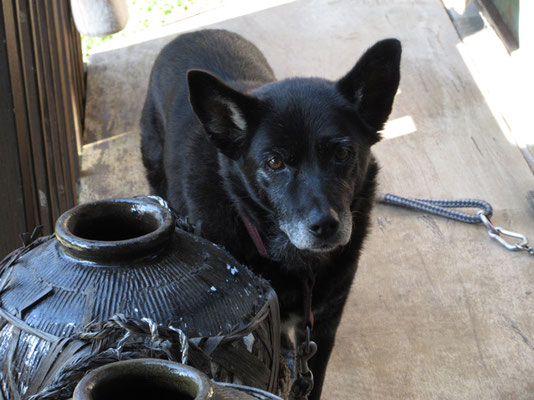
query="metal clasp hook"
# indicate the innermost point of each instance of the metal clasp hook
(498, 233)
(303, 384)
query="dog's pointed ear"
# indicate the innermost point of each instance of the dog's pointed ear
(373, 82)
(226, 114)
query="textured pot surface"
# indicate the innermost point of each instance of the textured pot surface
(114, 256)
(63, 284)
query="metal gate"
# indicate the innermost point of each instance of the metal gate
(41, 113)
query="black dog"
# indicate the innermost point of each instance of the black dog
(280, 173)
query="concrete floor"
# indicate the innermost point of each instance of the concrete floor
(438, 310)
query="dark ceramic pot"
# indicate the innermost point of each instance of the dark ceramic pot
(127, 256)
(145, 379)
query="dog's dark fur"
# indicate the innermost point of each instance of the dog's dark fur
(292, 156)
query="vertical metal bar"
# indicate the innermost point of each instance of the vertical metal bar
(21, 118)
(12, 212)
(47, 94)
(44, 108)
(36, 133)
(61, 129)
(71, 109)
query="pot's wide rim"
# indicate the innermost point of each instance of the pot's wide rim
(136, 211)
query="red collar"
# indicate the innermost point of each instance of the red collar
(256, 238)
(308, 284)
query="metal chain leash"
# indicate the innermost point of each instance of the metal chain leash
(483, 215)
(303, 384)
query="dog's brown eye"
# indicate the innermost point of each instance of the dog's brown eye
(275, 163)
(341, 154)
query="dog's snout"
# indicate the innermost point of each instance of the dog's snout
(324, 225)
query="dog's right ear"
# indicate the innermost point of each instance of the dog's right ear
(227, 114)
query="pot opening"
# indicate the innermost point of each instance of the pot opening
(114, 226)
(138, 387)
(115, 229)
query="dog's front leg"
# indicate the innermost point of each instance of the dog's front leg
(323, 334)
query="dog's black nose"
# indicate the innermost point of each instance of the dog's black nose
(324, 226)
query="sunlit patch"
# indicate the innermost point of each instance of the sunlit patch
(399, 127)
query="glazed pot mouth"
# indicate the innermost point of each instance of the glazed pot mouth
(114, 229)
(144, 378)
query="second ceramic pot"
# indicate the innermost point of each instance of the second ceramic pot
(147, 379)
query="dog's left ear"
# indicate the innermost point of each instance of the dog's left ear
(226, 114)
(373, 82)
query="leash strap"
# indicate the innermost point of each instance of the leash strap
(441, 208)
